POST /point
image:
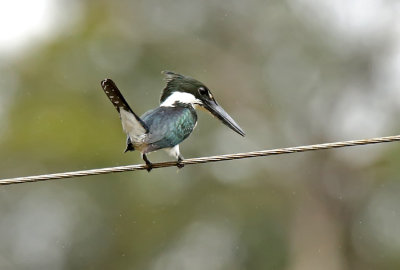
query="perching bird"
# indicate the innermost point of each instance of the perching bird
(172, 122)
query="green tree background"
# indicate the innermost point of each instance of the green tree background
(289, 72)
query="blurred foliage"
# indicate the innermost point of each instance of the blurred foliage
(286, 71)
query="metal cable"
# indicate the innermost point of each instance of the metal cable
(278, 151)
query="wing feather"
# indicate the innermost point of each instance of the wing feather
(169, 126)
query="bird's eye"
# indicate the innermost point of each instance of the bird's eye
(203, 91)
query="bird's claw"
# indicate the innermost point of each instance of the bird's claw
(179, 164)
(148, 163)
(149, 167)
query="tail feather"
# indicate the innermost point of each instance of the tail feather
(129, 145)
(115, 96)
(131, 123)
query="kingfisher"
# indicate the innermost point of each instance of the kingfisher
(166, 126)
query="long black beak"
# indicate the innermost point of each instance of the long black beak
(213, 107)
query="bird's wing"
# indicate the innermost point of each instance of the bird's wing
(131, 123)
(169, 126)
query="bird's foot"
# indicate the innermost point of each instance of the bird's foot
(148, 163)
(179, 164)
(149, 166)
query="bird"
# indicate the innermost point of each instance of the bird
(166, 126)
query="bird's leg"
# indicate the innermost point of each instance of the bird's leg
(179, 164)
(174, 151)
(148, 163)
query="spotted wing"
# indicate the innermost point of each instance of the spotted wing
(131, 123)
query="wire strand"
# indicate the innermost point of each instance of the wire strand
(278, 151)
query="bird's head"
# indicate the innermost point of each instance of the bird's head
(182, 89)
